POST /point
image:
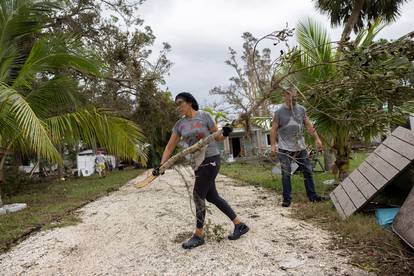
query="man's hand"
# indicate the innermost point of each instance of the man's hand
(227, 129)
(156, 171)
(273, 152)
(319, 145)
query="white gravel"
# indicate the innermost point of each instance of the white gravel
(139, 232)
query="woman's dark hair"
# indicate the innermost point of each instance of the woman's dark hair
(189, 99)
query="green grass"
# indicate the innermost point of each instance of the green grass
(52, 204)
(371, 247)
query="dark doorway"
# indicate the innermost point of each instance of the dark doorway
(235, 142)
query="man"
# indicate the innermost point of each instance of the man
(287, 126)
(100, 164)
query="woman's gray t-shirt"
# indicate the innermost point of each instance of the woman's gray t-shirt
(193, 129)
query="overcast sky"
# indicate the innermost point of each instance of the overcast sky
(200, 32)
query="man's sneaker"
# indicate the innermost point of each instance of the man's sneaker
(319, 199)
(285, 203)
(239, 229)
(194, 241)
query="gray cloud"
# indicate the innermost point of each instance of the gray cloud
(200, 32)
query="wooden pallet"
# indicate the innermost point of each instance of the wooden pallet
(379, 169)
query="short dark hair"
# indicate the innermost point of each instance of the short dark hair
(188, 98)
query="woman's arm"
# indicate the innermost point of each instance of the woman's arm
(172, 143)
(214, 129)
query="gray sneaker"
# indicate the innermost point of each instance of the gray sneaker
(239, 229)
(194, 241)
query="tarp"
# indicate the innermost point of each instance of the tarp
(386, 216)
(403, 224)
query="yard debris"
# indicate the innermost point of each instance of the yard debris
(291, 263)
(329, 182)
(11, 208)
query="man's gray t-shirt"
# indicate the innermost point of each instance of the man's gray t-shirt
(196, 128)
(290, 131)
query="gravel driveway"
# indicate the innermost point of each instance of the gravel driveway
(136, 232)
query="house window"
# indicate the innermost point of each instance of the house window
(268, 139)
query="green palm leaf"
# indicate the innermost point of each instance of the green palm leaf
(95, 126)
(48, 55)
(26, 123)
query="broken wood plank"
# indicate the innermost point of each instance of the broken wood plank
(367, 189)
(374, 177)
(356, 196)
(392, 157)
(400, 146)
(383, 167)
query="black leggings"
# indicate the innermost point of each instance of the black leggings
(205, 188)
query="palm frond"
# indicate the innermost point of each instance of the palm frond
(315, 48)
(27, 124)
(94, 126)
(55, 95)
(366, 36)
(48, 55)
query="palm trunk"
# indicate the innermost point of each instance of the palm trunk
(61, 167)
(3, 154)
(328, 159)
(342, 163)
(342, 157)
(2, 162)
(350, 24)
(328, 154)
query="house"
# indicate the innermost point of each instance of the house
(236, 145)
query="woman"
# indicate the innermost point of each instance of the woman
(193, 126)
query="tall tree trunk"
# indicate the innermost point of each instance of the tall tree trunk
(328, 155)
(248, 146)
(328, 159)
(353, 19)
(2, 162)
(342, 157)
(61, 167)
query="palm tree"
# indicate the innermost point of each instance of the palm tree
(316, 48)
(356, 14)
(218, 116)
(40, 107)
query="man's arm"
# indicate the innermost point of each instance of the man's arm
(312, 131)
(273, 135)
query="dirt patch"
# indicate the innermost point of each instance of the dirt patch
(135, 232)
